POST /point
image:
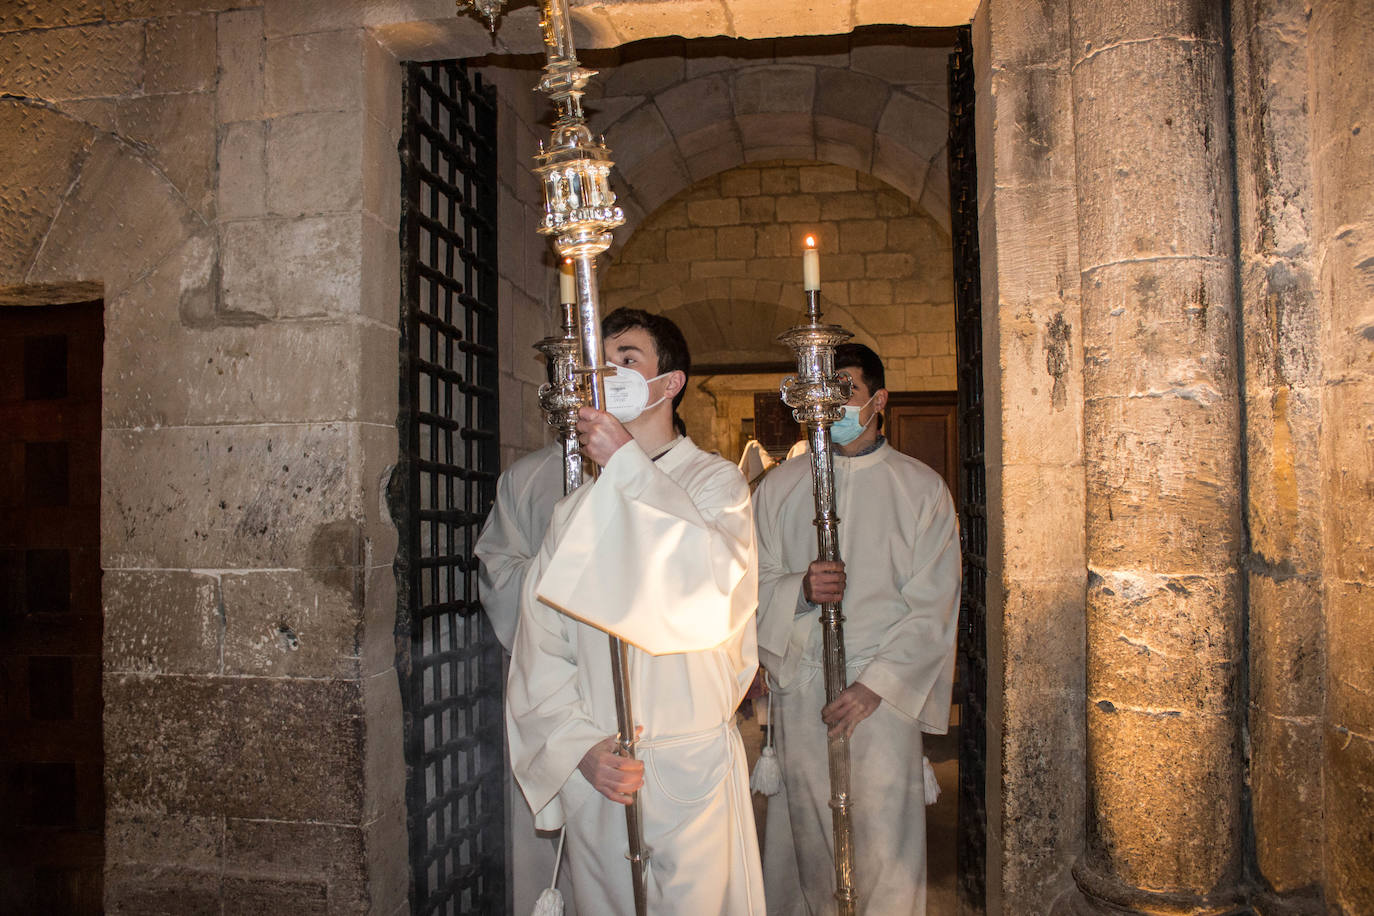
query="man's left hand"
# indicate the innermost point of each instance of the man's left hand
(600, 434)
(854, 704)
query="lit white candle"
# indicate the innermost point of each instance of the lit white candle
(811, 265)
(567, 285)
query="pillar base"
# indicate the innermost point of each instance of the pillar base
(1099, 895)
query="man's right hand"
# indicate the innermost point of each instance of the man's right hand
(824, 581)
(614, 776)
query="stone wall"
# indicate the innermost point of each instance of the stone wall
(723, 260)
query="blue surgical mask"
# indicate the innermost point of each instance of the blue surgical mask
(848, 428)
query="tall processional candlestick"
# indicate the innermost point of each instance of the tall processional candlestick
(580, 213)
(817, 396)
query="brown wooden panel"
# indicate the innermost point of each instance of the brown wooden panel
(51, 741)
(924, 425)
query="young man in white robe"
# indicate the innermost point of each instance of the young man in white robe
(658, 550)
(525, 496)
(898, 579)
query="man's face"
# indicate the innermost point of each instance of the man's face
(634, 349)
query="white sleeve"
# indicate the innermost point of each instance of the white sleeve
(661, 569)
(506, 548)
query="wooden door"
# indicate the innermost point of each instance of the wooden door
(52, 807)
(924, 425)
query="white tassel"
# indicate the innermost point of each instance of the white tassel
(550, 902)
(767, 775)
(932, 784)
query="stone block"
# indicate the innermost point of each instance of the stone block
(1036, 242)
(904, 170)
(156, 890)
(847, 207)
(719, 212)
(798, 208)
(178, 130)
(767, 19)
(740, 183)
(40, 14)
(245, 896)
(242, 55)
(781, 180)
(850, 96)
(161, 839)
(863, 236)
(1286, 792)
(842, 267)
(773, 240)
(1160, 329)
(314, 163)
(735, 242)
(1349, 794)
(1283, 445)
(1043, 545)
(1137, 151)
(152, 9)
(1167, 644)
(321, 71)
(38, 173)
(711, 150)
(844, 143)
(658, 176)
(1349, 640)
(898, 64)
(705, 270)
(688, 18)
(242, 188)
(326, 855)
(1348, 428)
(261, 748)
(789, 135)
(891, 346)
(1161, 484)
(695, 104)
(890, 266)
(181, 54)
(1163, 787)
(1281, 315)
(292, 267)
(757, 210)
(121, 218)
(826, 178)
(1039, 148)
(246, 496)
(80, 62)
(870, 292)
(691, 244)
(161, 622)
(772, 90)
(305, 623)
(1347, 279)
(914, 125)
(378, 649)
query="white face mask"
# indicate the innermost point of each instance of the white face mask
(627, 393)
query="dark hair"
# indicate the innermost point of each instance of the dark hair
(670, 345)
(857, 356)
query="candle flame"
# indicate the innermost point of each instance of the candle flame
(810, 241)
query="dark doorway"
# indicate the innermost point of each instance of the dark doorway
(51, 750)
(449, 661)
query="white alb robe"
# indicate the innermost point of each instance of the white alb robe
(525, 496)
(898, 538)
(661, 554)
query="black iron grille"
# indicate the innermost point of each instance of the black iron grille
(973, 502)
(449, 661)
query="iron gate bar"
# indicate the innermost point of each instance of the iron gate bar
(972, 653)
(449, 661)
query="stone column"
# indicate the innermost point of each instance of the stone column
(1282, 371)
(1161, 431)
(1341, 42)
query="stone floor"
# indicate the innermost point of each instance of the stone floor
(943, 751)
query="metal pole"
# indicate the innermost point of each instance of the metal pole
(816, 397)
